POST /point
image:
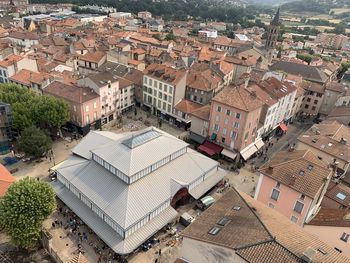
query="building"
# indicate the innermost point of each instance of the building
(144, 15)
(6, 180)
(155, 25)
(313, 98)
(183, 111)
(24, 40)
(5, 128)
(12, 64)
(200, 124)
(333, 92)
(332, 41)
(284, 93)
(272, 32)
(332, 226)
(163, 88)
(91, 61)
(36, 81)
(84, 104)
(329, 141)
(202, 86)
(142, 177)
(309, 73)
(234, 120)
(341, 114)
(293, 183)
(238, 229)
(337, 196)
(116, 94)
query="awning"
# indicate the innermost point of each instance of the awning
(207, 184)
(259, 144)
(197, 138)
(210, 148)
(107, 233)
(229, 154)
(248, 151)
(283, 127)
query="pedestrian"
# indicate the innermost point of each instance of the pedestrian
(160, 252)
(53, 224)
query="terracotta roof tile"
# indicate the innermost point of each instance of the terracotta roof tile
(300, 170)
(10, 60)
(331, 217)
(6, 179)
(238, 97)
(202, 113)
(165, 73)
(93, 56)
(187, 106)
(26, 77)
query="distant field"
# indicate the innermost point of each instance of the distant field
(338, 11)
(322, 17)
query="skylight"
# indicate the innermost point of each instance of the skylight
(214, 231)
(310, 167)
(341, 196)
(224, 221)
(301, 172)
(141, 138)
(236, 208)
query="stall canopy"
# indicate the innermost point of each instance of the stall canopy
(210, 148)
(229, 154)
(283, 127)
(259, 144)
(248, 151)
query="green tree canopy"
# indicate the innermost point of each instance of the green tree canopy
(23, 209)
(305, 57)
(34, 142)
(170, 36)
(30, 108)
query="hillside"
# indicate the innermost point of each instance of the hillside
(314, 6)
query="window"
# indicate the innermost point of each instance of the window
(249, 125)
(228, 112)
(298, 207)
(150, 82)
(86, 108)
(169, 108)
(170, 89)
(160, 86)
(164, 106)
(302, 197)
(95, 105)
(74, 108)
(169, 98)
(236, 125)
(246, 136)
(278, 185)
(315, 101)
(294, 219)
(216, 127)
(165, 97)
(155, 84)
(224, 221)
(344, 237)
(233, 135)
(224, 131)
(275, 194)
(306, 106)
(308, 99)
(218, 109)
(217, 118)
(271, 205)
(223, 140)
(238, 115)
(226, 121)
(165, 88)
(313, 108)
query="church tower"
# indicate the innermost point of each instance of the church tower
(272, 32)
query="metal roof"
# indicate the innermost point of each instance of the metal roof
(104, 231)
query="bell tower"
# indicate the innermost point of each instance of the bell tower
(272, 32)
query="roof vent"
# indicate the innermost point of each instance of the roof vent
(224, 221)
(214, 231)
(236, 208)
(314, 140)
(343, 141)
(308, 255)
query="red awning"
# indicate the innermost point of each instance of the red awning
(283, 127)
(210, 148)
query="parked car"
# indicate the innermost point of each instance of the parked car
(205, 202)
(186, 219)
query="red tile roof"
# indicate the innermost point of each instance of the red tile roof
(6, 180)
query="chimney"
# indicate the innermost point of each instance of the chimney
(308, 255)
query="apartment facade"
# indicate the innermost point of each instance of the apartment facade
(90, 62)
(12, 64)
(116, 94)
(84, 104)
(314, 95)
(163, 88)
(294, 184)
(234, 118)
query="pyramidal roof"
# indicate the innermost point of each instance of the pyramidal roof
(276, 20)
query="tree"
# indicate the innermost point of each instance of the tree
(23, 209)
(307, 58)
(34, 142)
(30, 108)
(170, 36)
